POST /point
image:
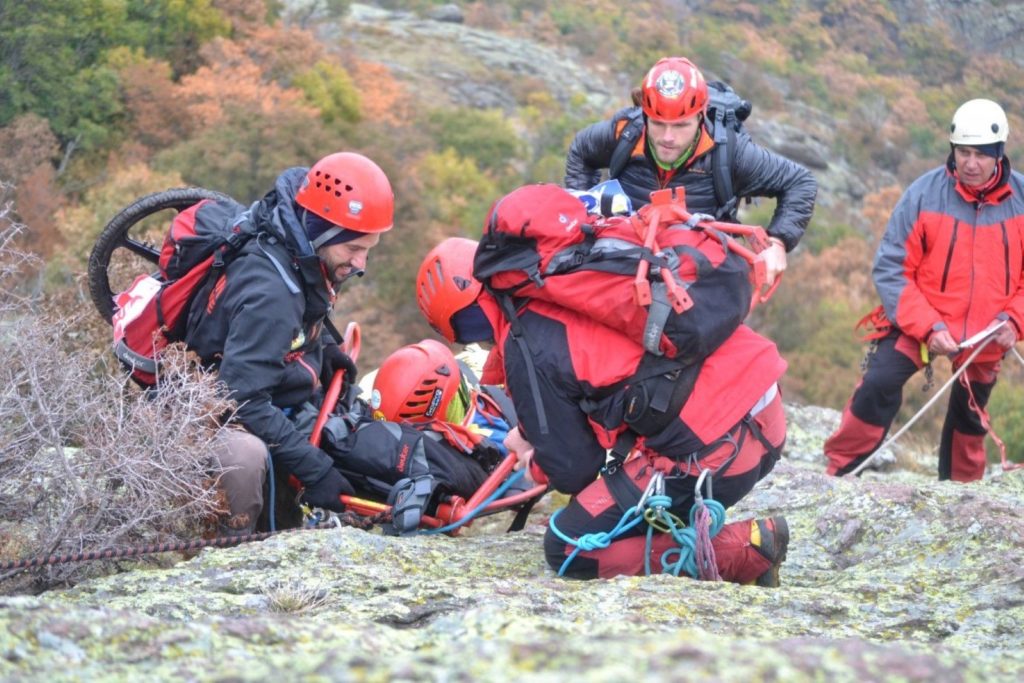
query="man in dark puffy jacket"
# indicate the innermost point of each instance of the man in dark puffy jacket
(950, 267)
(262, 325)
(675, 150)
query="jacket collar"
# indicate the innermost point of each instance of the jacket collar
(993, 195)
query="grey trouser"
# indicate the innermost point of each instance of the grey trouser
(244, 463)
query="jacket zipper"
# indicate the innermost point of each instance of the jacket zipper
(949, 255)
(1006, 258)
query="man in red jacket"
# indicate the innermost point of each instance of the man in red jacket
(950, 266)
(577, 361)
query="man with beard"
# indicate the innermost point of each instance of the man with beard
(261, 328)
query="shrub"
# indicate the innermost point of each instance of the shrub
(88, 462)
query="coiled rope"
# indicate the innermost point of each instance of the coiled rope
(694, 554)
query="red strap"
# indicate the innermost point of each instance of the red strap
(877, 321)
(987, 424)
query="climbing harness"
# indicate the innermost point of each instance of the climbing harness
(694, 554)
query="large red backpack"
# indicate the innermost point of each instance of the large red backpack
(676, 283)
(153, 311)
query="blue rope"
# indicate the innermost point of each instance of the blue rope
(273, 493)
(686, 537)
(597, 540)
(513, 478)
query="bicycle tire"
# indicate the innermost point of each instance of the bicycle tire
(115, 235)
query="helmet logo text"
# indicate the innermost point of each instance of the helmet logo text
(435, 402)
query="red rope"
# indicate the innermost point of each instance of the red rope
(707, 564)
(987, 424)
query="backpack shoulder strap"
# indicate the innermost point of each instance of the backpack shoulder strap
(631, 132)
(722, 158)
(517, 333)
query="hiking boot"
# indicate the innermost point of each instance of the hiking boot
(771, 538)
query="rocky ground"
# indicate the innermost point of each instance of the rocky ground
(890, 577)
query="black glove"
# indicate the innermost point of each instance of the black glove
(326, 491)
(335, 359)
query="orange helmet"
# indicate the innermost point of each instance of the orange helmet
(416, 383)
(445, 284)
(350, 191)
(673, 89)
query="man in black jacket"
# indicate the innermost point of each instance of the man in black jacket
(262, 326)
(675, 149)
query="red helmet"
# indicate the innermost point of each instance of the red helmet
(416, 383)
(350, 191)
(445, 284)
(674, 89)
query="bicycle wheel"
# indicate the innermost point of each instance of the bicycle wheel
(130, 243)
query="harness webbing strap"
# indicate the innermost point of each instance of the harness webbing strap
(627, 141)
(623, 490)
(657, 317)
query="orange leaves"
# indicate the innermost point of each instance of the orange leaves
(279, 51)
(383, 98)
(149, 96)
(877, 207)
(25, 144)
(235, 81)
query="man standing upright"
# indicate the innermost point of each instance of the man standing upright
(950, 266)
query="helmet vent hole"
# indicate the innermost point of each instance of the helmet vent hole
(995, 127)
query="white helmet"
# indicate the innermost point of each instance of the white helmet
(979, 122)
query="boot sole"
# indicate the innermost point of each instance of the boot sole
(770, 579)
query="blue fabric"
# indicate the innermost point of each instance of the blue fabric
(316, 226)
(471, 325)
(494, 428)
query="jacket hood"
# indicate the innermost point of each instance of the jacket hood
(278, 212)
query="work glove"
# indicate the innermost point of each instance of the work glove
(326, 492)
(335, 359)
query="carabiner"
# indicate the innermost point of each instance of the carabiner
(700, 482)
(655, 487)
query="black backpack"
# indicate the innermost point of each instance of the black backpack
(727, 111)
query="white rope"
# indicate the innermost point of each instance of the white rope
(929, 404)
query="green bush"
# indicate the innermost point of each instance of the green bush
(329, 88)
(484, 136)
(1006, 409)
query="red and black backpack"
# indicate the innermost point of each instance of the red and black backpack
(153, 311)
(677, 284)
